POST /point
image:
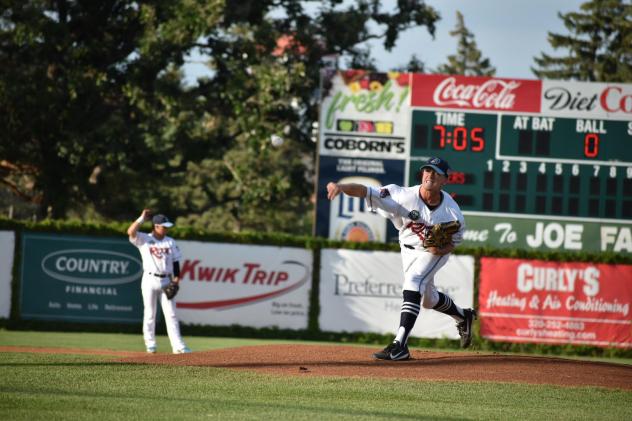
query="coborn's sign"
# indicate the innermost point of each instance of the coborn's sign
(364, 145)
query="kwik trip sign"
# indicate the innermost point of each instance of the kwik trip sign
(248, 285)
(80, 279)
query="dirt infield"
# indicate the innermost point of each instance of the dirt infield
(355, 361)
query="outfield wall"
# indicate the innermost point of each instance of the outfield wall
(7, 245)
(86, 275)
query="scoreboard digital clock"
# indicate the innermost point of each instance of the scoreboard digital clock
(527, 164)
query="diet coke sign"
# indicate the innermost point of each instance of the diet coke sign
(471, 92)
(587, 100)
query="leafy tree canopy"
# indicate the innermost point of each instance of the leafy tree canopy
(87, 92)
(97, 122)
(598, 45)
(468, 59)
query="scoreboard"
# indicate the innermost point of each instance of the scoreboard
(530, 164)
(536, 164)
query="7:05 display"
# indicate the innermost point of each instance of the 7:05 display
(459, 137)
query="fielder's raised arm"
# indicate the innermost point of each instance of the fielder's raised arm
(134, 226)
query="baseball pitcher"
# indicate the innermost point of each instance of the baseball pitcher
(430, 225)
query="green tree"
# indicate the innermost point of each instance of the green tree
(86, 94)
(99, 123)
(468, 59)
(414, 65)
(265, 60)
(599, 44)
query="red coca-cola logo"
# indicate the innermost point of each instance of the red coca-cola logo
(476, 92)
(493, 94)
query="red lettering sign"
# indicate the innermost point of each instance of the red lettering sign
(556, 302)
(613, 100)
(474, 92)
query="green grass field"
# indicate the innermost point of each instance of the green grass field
(60, 386)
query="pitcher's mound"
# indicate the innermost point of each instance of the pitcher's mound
(357, 361)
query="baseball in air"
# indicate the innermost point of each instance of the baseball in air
(276, 140)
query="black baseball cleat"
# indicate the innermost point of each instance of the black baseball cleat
(394, 352)
(465, 327)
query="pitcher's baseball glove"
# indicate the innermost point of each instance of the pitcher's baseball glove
(440, 235)
(171, 289)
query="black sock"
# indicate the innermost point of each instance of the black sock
(447, 306)
(408, 317)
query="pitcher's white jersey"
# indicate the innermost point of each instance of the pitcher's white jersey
(157, 255)
(410, 214)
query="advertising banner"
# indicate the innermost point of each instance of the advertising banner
(247, 285)
(555, 302)
(587, 100)
(547, 233)
(7, 245)
(347, 218)
(83, 279)
(365, 114)
(361, 291)
(475, 92)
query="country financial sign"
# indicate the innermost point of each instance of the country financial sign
(80, 279)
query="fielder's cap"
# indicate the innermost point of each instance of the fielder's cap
(439, 165)
(161, 220)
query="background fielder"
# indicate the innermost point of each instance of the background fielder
(414, 211)
(161, 257)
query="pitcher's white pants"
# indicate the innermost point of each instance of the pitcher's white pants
(420, 268)
(151, 287)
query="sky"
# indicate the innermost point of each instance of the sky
(508, 32)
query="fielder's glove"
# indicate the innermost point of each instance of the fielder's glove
(440, 235)
(171, 289)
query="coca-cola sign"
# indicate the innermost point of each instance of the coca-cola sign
(471, 92)
(493, 93)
